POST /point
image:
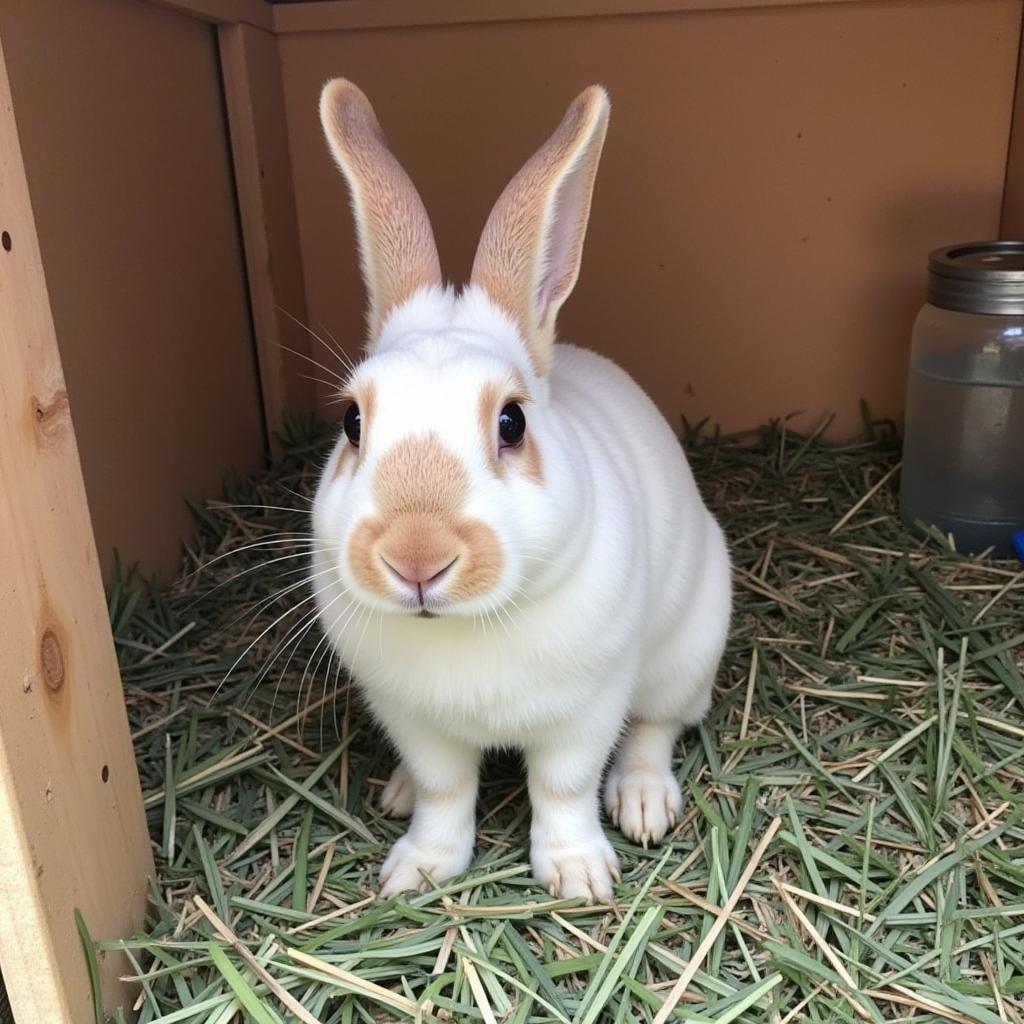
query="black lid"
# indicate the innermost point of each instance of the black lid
(978, 277)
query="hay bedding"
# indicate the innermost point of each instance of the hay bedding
(852, 842)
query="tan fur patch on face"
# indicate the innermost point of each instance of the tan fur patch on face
(365, 396)
(366, 399)
(526, 459)
(420, 476)
(346, 460)
(483, 561)
(363, 558)
(420, 490)
(490, 396)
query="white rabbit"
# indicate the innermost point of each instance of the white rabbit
(511, 550)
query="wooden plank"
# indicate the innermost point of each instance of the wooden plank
(1011, 224)
(72, 829)
(266, 204)
(225, 12)
(323, 15)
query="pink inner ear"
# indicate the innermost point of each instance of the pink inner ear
(559, 259)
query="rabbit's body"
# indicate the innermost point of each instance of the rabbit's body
(611, 621)
(511, 549)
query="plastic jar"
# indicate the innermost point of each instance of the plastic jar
(963, 448)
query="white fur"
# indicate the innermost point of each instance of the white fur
(614, 603)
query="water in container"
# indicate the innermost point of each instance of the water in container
(963, 454)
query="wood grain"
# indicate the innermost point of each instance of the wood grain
(266, 204)
(72, 830)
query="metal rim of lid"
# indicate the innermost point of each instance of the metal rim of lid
(973, 287)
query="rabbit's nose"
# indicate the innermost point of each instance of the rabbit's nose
(416, 554)
(419, 574)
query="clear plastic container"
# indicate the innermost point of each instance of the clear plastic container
(963, 450)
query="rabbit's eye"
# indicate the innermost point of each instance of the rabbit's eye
(511, 425)
(353, 423)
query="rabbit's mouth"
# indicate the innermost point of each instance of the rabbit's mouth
(424, 613)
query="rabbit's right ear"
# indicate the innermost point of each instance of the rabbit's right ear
(397, 251)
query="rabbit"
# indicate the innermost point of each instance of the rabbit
(510, 548)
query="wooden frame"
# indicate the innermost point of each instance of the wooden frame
(263, 180)
(348, 15)
(254, 102)
(72, 828)
(258, 13)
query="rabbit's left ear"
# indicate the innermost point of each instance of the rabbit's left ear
(396, 243)
(530, 250)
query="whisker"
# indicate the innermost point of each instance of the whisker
(511, 618)
(501, 621)
(369, 619)
(309, 359)
(327, 678)
(330, 384)
(254, 568)
(520, 592)
(325, 638)
(309, 330)
(270, 542)
(293, 638)
(298, 494)
(265, 602)
(294, 634)
(238, 660)
(269, 508)
(300, 631)
(352, 610)
(334, 699)
(328, 639)
(338, 347)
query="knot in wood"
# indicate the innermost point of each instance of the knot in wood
(51, 661)
(51, 415)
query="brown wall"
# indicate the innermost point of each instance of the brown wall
(772, 182)
(120, 114)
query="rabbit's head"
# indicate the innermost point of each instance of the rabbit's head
(451, 490)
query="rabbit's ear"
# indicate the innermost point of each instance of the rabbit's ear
(529, 254)
(396, 244)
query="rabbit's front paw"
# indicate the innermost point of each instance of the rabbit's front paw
(399, 795)
(409, 861)
(579, 869)
(644, 803)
